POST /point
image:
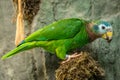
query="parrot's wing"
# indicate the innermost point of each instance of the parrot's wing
(62, 29)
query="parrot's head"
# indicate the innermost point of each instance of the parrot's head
(103, 29)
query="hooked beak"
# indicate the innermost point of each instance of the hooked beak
(108, 36)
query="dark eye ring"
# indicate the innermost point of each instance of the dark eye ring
(103, 27)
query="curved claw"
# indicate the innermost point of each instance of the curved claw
(69, 57)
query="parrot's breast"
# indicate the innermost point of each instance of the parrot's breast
(81, 39)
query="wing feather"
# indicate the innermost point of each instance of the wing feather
(62, 29)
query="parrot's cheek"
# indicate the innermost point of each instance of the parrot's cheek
(108, 36)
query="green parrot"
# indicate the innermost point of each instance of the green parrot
(65, 35)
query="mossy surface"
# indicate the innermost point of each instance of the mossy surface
(83, 67)
(29, 7)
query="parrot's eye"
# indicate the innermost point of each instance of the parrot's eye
(103, 27)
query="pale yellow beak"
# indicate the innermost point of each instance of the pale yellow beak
(108, 36)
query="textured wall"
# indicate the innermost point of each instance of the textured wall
(34, 64)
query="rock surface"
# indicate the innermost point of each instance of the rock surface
(38, 65)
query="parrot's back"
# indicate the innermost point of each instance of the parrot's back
(62, 29)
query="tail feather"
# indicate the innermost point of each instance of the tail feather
(22, 42)
(18, 49)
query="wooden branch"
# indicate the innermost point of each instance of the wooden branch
(19, 25)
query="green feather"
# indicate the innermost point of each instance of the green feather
(62, 29)
(18, 49)
(58, 37)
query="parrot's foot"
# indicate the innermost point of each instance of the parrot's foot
(68, 57)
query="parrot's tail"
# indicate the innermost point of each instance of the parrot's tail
(22, 47)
